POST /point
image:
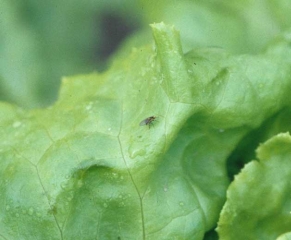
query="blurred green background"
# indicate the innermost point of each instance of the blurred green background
(41, 41)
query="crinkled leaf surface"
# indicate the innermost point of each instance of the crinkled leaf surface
(258, 201)
(84, 168)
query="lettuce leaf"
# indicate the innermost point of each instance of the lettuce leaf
(239, 26)
(258, 201)
(84, 168)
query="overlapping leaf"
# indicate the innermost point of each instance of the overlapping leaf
(85, 169)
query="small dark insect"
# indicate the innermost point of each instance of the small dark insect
(148, 121)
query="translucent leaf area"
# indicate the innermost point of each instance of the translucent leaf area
(258, 202)
(84, 168)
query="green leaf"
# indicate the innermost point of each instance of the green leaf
(84, 168)
(239, 26)
(258, 201)
(285, 236)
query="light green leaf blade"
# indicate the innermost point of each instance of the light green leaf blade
(238, 26)
(258, 201)
(84, 168)
(285, 236)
